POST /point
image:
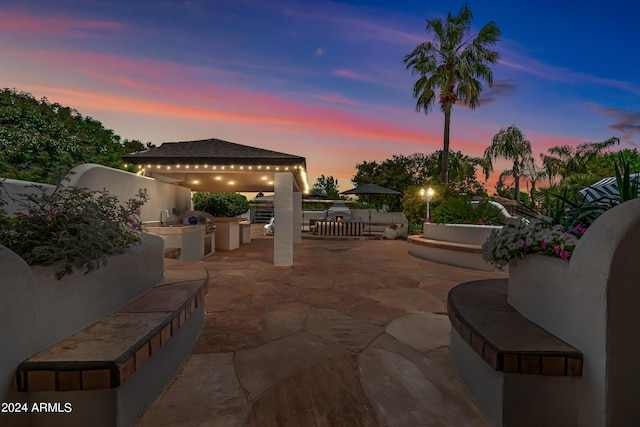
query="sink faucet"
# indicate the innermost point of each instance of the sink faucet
(166, 212)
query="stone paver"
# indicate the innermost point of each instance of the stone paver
(205, 393)
(352, 335)
(421, 331)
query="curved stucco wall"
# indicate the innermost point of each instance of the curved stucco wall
(15, 188)
(125, 185)
(36, 310)
(590, 304)
(469, 234)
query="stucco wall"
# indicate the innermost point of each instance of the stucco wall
(590, 304)
(470, 234)
(36, 310)
(15, 188)
(125, 185)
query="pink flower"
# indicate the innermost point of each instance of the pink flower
(564, 255)
(524, 246)
(427, 220)
(583, 230)
(544, 245)
(556, 250)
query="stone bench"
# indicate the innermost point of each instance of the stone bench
(119, 365)
(587, 374)
(502, 337)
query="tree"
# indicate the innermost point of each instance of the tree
(327, 185)
(463, 170)
(454, 62)
(533, 173)
(566, 160)
(510, 144)
(38, 139)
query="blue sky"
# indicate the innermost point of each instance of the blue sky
(321, 79)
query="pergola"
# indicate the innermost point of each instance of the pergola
(218, 166)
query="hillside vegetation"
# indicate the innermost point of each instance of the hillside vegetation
(39, 138)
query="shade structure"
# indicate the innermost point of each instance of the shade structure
(371, 189)
(605, 188)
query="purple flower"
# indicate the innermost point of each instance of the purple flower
(564, 255)
(525, 246)
(556, 249)
(544, 245)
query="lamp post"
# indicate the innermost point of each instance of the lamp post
(428, 195)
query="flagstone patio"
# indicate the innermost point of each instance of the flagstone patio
(354, 334)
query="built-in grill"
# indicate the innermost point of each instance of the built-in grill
(207, 220)
(339, 212)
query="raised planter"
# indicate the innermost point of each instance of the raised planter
(38, 310)
(455, 244)
(469, 234)
(540, 289)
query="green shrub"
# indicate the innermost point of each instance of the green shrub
(461, 211)
(73, 225)
(221, 204)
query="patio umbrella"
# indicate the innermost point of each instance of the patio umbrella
(606, 187)
(370, 189)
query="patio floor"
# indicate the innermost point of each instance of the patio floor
(354, 334)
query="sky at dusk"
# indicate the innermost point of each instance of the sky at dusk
(321, 79)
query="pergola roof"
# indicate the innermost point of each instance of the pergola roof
(217, 165)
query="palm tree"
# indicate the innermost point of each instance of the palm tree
(453, 62)
(510, 144)
(568, 160)
(533, 173)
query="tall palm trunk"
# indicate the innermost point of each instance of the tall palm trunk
(516, 177)
(445, 147)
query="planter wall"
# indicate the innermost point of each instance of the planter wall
(469, 234)
(36, 310)
(540, 289)
(591, 303)
(454, 244)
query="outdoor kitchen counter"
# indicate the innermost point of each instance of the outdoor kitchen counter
(189, 238)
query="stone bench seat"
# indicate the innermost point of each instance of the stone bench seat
(502, 337)
(108, 353)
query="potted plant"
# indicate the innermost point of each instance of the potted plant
(391, 231)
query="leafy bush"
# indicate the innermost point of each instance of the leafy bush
(461, 211)
(78, 227)
(221, 204)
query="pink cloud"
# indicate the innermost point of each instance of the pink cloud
(52, 25)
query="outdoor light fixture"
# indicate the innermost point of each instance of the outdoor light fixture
(428, 195)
